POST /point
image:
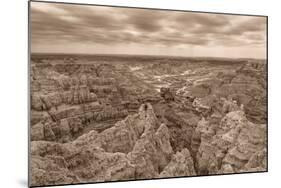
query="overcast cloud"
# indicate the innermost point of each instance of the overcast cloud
(64, 28)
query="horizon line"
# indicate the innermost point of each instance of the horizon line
(150, 55)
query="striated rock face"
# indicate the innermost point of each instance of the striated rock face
(151, 153)
(78, 163)
(135, 148)
(181, 164)
(231, 146)
(123, 136)
(76, 95)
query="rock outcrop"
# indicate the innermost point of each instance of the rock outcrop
(181, 164)
(135, 148)
(74, 96)
(231, 146)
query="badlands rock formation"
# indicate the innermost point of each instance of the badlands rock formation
(229, 147)
(137, 147)
(99, 120)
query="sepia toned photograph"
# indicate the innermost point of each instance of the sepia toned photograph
(121, 94)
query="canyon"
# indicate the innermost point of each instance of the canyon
(97, 118)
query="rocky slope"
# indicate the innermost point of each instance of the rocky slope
(136, 148)
(231, 146)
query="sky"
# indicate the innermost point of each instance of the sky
(68, 28)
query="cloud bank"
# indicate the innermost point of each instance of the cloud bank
(65, 28)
